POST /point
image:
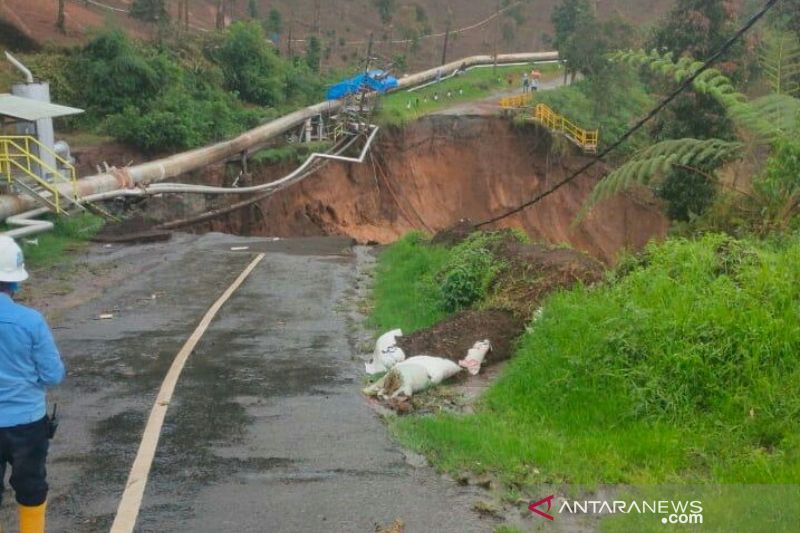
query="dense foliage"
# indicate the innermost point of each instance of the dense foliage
(149, 10)
(180, 94)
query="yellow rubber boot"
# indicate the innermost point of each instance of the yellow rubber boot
(31, 519)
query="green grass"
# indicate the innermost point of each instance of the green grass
(682, 369)
(295, 153)
(70, 234)
(419, 284)
(405, 294)
(475, 84)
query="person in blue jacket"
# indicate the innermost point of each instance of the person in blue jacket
(29, 364)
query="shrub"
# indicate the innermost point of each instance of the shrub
(177, 121)
(250, 65)
(111, 73)
(469, 272)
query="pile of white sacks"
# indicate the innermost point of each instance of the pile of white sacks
(404, 377)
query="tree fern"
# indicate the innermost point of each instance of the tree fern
(765, 118)
(652, 164)
(780, 61)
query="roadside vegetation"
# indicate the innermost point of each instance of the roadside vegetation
(682, 366)
(69, 234)
(677, 373)
(420, 282)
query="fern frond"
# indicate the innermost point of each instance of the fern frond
(766, 120)
(780, 61)
(654, 162)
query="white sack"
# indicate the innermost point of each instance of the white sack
(475, 356)
(439, 369)
(386, 354)
(413, 375)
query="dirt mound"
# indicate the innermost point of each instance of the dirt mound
(452, 337)
(454, 234)
(536, 270)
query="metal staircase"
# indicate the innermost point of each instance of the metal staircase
(24, 171)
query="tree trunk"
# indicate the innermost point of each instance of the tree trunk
(220, 14)
(60, 20)
(186, 13)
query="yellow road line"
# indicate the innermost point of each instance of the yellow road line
(131, 501)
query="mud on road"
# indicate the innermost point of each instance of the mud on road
(267, 430)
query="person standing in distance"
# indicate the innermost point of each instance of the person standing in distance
(29, 364)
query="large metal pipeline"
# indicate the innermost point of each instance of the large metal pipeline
(178, 164)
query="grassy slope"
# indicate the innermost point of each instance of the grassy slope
(475, 84)
(683, 372)
(403, 293)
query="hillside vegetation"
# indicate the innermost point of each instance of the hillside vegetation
(179, 94)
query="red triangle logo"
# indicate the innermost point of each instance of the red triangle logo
(535, 507)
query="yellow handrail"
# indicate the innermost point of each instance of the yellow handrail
(54, 193)
(29, 140)
(17, 151)
(586, 139)
(520, 100)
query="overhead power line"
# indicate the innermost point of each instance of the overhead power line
(660, 107)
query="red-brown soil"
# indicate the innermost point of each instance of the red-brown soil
(452, 337)
(434, 173)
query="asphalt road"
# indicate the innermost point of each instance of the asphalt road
(267, 431)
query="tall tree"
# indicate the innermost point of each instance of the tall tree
(252, 9)
(149, 10)
(570, 19)
(313, 52)
(697, 28)
(61, 18)
(567, 17)
(386, 9)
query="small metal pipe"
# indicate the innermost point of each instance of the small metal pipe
(28, 225)
(22, 68)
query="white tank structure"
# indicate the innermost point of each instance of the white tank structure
(41, 129)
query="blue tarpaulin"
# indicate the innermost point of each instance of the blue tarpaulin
(374, 80)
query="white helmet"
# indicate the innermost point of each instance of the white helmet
(12, 262)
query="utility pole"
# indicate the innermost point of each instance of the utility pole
(289, 40)
(496, 35)
(362, 96)
(446, 39)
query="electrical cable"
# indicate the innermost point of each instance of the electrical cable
(664, 103)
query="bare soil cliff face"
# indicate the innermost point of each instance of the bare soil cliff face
(438, 171)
